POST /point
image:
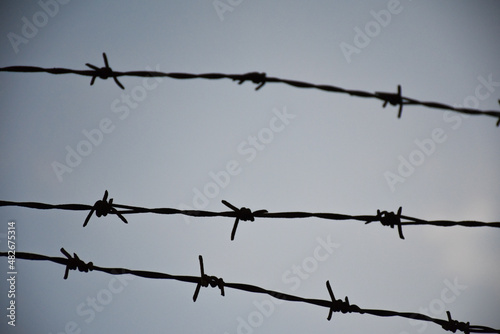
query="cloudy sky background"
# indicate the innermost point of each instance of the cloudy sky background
(332, 154)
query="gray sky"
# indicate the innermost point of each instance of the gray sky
(171, 143)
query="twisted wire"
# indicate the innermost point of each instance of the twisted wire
(104, 207)
(333, 305)
(258, 78)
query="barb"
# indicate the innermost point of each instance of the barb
(393, 99)
(104, 72)
(258, 78)
(74, 263)
(391, 219)
(454, 325)
(206, 280)
(102, 208)
(255, 77)
(333, 305)
(244, 214)
(338, 305)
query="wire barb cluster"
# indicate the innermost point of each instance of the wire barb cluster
(258, 78)
(454, 325)
(206, 280)
(244, 214)
(74, 263)
(333, 305)
(104, 207)
(339, 305)
(393, 99)
(104, 72)
(390, 219)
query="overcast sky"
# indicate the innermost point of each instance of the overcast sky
(193, 143)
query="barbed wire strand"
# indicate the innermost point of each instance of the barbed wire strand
(258, 78)
(334, 305)
(103, 207)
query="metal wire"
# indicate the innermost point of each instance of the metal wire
(259, 78)
(333, 305)
(104, 207)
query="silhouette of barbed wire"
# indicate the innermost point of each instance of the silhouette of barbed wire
(333, 305)
(258, 78)
(104, 207)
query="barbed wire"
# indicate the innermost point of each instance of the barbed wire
(103, 207)
(334, 305)
(258, 78)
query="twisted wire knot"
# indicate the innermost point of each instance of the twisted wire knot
(454, 325)
(258, 78)
(102, 208)
(213, 281)
(339, 305)
(393, 99)
(390, 219)
(244, 214)
(74, 263)
(206, 280)
(104, 72)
